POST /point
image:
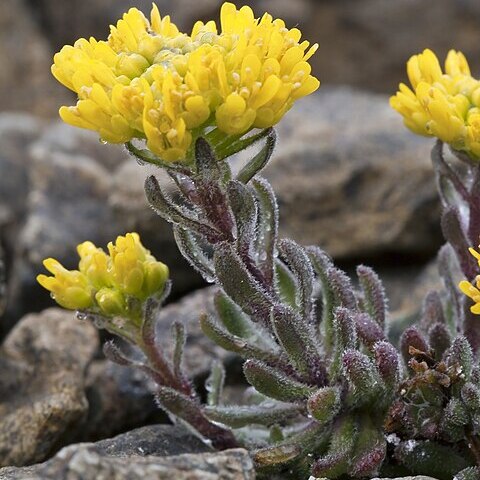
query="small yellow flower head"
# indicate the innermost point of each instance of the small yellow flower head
(442, 104)
(152, 82)
(472, 291)
(70, 288)
(107, 283)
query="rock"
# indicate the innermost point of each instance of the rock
(42, 384)
(25, 79)
(92, 18)
(119, 399)
(351, 30)
(419, 477)
(155, 452)
(351, 179)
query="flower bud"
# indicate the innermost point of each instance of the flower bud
(110, 301)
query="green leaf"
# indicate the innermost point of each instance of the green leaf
(193, 253)
(375, 301)
(286, 284)
(179, 339)
(214, 383)
(274, 383)
(299, 341)
(269, 413)
(260, 159)
(265, 242)
(296, 258)
(324, 404)
(206, 161)
(232, 317)
(244, 208)
(212, 329)
(240, 286)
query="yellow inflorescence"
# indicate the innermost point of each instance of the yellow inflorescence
(150, 81)
(441, 104)
(472, 291)
(106, 283)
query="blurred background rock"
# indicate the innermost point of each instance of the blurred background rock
(365, 184)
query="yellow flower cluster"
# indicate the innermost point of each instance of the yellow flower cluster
(150, 81)
(472, 291)
(107, 283)
(441, 104)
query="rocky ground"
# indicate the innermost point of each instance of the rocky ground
(348, 177)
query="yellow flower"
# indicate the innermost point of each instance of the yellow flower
(472, 291)
(442, 104)
(152, 82)
(70, 288)
(107, 283)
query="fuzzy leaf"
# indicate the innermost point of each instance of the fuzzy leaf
(362, 376)
(370, 450)
(471, 396)
(260, 159)
(455, 235)
(296, 258)
(214, 383)
(460, 355)
(449, 270)
(342, 289)
(240, 285)
(274, 383)
(298, 340)
(322, 265)
(244, 207)
(455, 418)
(387, 362)
(368, 330)
(206, 161)
(188, 410)
(285, 283)
(231, 316)
(193, 253)
(374, 298)
(345, 337)
(267, 414)
(337, 460)
(324, 404)
(179, 339)
(267, 227)
(213, 330)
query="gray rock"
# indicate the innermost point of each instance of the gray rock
(419, 477)
(155, 452)
(119, 399)
(92, 18)
(365, 43)
(25, 79)
(351, 179)
(42, 384)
